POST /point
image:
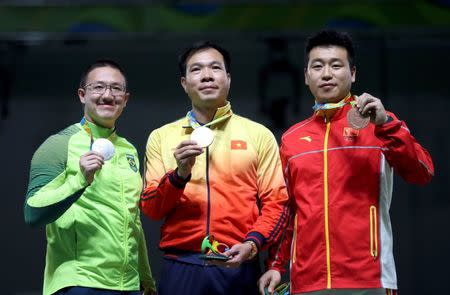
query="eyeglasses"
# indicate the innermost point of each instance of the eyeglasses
(100, 88)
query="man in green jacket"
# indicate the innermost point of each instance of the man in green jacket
(85, 187)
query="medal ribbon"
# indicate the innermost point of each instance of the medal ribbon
(328, 106)
(210, 244)
(85, 125)
(226, 110)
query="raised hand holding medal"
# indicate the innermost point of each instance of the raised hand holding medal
(104, 147)
(186, 152)
(355, 119)
(203, 136)
(370, 109)
(101, 150)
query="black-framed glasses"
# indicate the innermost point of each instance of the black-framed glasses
(100, 88)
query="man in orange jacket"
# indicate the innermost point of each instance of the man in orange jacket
(227, 183)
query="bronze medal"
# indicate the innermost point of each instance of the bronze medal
(356, 120)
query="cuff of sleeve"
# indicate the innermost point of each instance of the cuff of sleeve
(389, 119)
(176, 180)
(281, 270)
(81, 180)
(257, 238)
(148, 285)
(391, 125)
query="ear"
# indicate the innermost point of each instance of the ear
(81, 95)
(305, 72)
(353, 70)
(229, 79)
(125, 99)
(183, 83)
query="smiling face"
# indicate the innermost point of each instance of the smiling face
(328, 74)
(207, 82)
(103, 109)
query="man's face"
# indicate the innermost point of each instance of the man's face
(104, 108)
(207, 82)
(328, 73)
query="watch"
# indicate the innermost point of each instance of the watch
(253, 251)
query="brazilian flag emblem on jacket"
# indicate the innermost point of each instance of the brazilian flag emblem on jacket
(132, 162)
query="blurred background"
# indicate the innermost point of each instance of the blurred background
(403, 57)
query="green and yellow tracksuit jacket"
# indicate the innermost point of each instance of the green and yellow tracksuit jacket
(94, 233)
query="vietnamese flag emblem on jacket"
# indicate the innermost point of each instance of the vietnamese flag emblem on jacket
(238, 145)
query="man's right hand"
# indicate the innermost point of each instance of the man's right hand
(185, 154)
(270, 279)
(89, 164)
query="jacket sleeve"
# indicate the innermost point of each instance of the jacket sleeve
(145, 272)
(51, 190)
(408, 158)
(280, 253)
(162, 189)
(271, 192)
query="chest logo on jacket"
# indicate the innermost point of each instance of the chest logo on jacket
(306, 138)
(350, 134)
(238, 145)
(132, 162)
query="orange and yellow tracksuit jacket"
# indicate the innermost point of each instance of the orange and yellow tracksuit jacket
(340, 183)
(236, 190)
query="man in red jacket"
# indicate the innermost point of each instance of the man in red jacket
(338, 165)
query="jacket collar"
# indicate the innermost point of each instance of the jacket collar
(97, 131)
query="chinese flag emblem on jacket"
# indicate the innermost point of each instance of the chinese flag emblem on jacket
(238, 145)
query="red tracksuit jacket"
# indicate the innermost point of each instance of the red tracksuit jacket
(340, 184)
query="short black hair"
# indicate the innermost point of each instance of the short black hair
(330, 37)
(197, 46)
(100, 63)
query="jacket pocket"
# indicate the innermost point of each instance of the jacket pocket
(373, 232)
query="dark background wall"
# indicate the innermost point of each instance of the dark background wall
(406, 67)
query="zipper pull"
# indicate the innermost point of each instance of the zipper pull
(373, 233)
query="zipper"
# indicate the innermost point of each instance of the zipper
(373, 233)
(124, 243)
(208, 191)
(325, 201)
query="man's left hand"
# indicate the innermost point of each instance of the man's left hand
(238, 254)
(369, 105)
